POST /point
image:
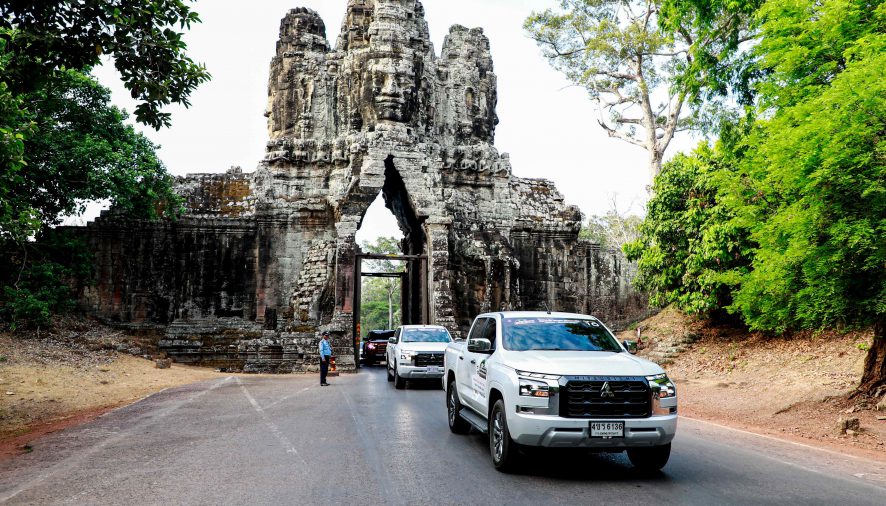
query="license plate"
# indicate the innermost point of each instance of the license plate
(607, 429)
(433, 369)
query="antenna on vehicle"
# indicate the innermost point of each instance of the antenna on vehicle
(545, 306)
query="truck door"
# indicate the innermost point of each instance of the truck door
(475, 366)
(467, 365)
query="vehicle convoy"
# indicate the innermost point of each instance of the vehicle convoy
(375, 343)
(558, 380)
(416, 352)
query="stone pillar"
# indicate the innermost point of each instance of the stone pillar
(439, 282)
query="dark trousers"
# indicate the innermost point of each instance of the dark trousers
(324, 368)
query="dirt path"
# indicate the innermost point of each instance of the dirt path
(794, 389)
(47, 385)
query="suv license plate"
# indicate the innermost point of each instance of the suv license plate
(607, 429)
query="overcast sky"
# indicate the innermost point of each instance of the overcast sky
(548, 127)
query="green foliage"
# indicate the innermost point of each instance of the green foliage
(820, 170)
(806, 43)
(80, 149)
(380, 297)
(714, 30)
(143, 38)
(783, 221)
(61, 142)
(42, 282)
(692, 251)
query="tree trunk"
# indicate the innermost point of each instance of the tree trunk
(874, 375)
(655, 158)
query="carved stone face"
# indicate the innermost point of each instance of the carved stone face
(391, 82)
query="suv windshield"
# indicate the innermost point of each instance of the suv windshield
(377, 335)
(426, 336)
(562, 334)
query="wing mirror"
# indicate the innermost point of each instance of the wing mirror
(392, 340)
(479, 346)
(631, 346)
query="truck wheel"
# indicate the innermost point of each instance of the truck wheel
(390, 376)
(503, 449)
(650, 459)
(399, 382)
(457, 424)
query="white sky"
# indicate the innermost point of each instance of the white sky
(548, 127)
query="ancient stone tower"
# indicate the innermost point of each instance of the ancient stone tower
(262, 261)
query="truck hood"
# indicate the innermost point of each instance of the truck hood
(581, 363)
(423, 346)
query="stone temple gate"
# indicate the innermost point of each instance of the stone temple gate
(261, 262)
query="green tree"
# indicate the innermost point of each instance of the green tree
(78, 149)
(783, 222)
(380, 300)
(638, 66)
(692, 249)
(143, 37)
(819, 169)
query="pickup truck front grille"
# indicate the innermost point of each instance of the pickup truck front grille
(426, 359)
(622, 399)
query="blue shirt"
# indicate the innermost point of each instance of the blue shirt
(325, 349)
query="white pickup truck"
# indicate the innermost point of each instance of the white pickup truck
(539, 379)
(416, 352)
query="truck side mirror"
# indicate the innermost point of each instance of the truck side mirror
(479, 346)
(631, 346)
(392, 340)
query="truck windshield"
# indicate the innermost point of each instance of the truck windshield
(562, 334)
(426, 336)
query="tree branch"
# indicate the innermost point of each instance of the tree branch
(621, 135)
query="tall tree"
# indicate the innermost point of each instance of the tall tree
(819, 171)
(794, 199)
(639, 68)
(388, 286)
(78, 148)
(143, 37)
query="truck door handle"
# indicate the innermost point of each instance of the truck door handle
(473, 361)
(461, 357)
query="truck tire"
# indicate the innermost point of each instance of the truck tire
(399, 382)
(650, 459)
(388, 369)
(457, 424)
(502, 448)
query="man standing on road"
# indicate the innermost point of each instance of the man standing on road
(325, 356)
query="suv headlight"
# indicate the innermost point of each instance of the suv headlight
(406, 355)
(666, 387)
(533, 384)
(533, 388)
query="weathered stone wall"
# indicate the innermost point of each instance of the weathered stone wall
(263, 261)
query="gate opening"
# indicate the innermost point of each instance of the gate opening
(411, 275)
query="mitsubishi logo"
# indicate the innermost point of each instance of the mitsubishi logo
(606, 391)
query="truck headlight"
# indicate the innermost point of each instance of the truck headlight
(666, 387)
(534, 388)
(407, 355)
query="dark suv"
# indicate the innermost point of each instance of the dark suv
(374, 345)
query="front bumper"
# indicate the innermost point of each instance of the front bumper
(413, 372)
(374, 355)
(556, 432)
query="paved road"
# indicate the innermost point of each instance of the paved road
(286, 440)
